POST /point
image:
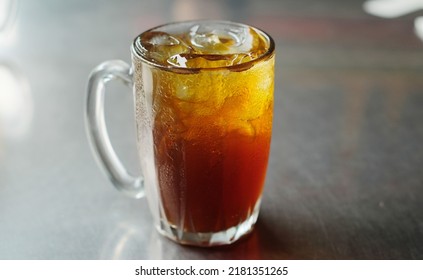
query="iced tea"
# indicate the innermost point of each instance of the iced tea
(204, 114)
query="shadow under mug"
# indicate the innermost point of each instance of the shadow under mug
(203, 137)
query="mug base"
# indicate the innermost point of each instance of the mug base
(210, 239)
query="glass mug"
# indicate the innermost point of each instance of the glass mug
(203, 93)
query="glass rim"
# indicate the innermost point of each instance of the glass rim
(237, 67)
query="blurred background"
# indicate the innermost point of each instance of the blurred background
(345, 176)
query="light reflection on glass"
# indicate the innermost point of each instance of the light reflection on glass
(418, 27)
(16, 107)
(396, 8)
(392, 8)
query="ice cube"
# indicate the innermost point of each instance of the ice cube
(161, 46)
(220, 39)
(177, 60)
(158, 38)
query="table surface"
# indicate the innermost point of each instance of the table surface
(345, 176)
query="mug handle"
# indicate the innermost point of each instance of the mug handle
(97, 131)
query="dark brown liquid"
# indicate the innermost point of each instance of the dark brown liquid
(210, 185)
